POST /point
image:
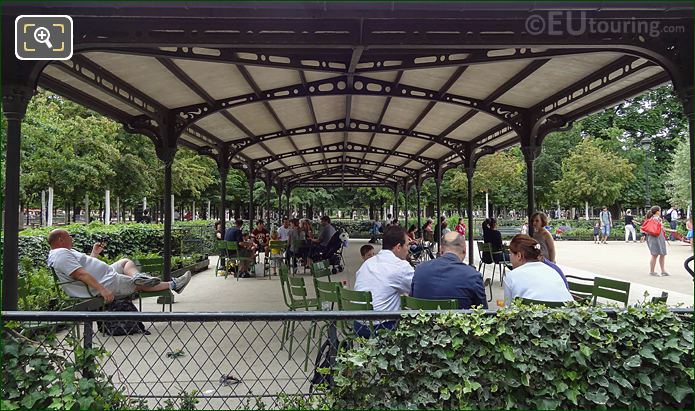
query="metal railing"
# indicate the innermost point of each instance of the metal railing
(231, 360)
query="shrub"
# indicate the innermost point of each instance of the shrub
(523, 358)
(46, 374)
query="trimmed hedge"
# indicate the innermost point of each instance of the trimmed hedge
(522, 357)
(120, 239)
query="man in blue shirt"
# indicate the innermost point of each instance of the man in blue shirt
(236, 235)
(447, 277)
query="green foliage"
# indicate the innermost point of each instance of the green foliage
(37, 290)
(592, 174)
(43, 374)
(678, 183)
(38, 375)
(522, 357)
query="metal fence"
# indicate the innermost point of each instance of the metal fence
(222, 360)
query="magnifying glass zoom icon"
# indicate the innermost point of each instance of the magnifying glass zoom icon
(42, 35)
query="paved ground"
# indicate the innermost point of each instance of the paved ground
(627, 262)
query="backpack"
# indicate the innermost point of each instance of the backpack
(122, 327)
(667, 215)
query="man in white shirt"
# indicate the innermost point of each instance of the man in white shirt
(674, 215)
(117, 280)
(283, 231)
(387, 276)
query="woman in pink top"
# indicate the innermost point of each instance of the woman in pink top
(461, 227)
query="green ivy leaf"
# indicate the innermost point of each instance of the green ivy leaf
(32, 398)
(586, 350)
(9, 405)
(647, 352)
(678, 392)
(507, 352)
(594, 332)
(599, 396)
(633, 362)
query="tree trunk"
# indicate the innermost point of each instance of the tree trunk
(586, 210)
(86, 208)
(107, 207)
(43, 208)
(49, 207)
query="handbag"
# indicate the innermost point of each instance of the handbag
(651, 227)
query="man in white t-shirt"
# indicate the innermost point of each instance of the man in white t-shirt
(117, 280)
(387, 276)
(283, 231)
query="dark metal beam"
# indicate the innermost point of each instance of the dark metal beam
(252, 83)
(328, 61)
(354, 60)
(310, 104)
(354, 161)
(93, 74)
(384, 109)
(342, 169)
(338, 148)
(442, 90)
(338, 86)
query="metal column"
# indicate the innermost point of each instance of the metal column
(469, 211)
(167, 220)
(395, 201)
(14, 107)
(418, 189)
(405, 208)
(252, 181)
(438, 182)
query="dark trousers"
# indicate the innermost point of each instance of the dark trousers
(674, 225)
(363, 330)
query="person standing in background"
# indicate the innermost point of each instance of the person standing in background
(630, 227)
(606, 220)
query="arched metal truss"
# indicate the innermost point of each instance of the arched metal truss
(351, 53)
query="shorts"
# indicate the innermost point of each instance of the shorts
(121, 286)
(606, 230)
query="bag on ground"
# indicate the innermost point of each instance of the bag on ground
(121, 327)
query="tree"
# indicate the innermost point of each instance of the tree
(678, 183)
(593, 174)
(500, 174)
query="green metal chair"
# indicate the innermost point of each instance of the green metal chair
(221, 247)
(662, 299)
(327, 294)
(294, 294)
(549, 304)
(154, 267)
(412, 303)
(351, 300)
(485, 249)
(235, 257)
(274, 259)
(582, 290)
(320, 269)
(614, 290)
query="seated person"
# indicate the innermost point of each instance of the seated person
(320, 244)
(118, 280)
(246, 248)
(366, 251)
(531, 278)
(260, 236)
(387, 276)
(448, 277)
(491, 235)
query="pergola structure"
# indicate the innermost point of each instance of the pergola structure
(328, 94)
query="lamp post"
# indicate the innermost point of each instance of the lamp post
(646, 144)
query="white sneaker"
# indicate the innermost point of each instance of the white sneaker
(655, 274)
(664, 274)
(182, 282)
